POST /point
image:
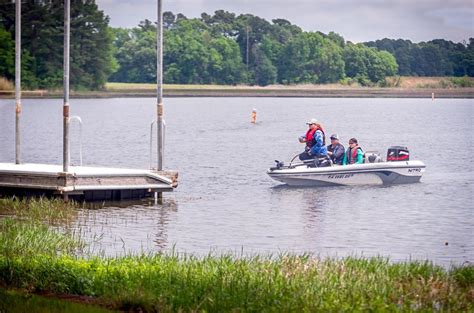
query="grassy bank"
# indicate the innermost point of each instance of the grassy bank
(402, 82)
(35, 258)
(400, 87)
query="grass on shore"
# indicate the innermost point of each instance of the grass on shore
(5, 84)
(404, 82)
(399, 82)
(36, 258)
(429, 82)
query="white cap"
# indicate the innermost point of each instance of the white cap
(313, 121)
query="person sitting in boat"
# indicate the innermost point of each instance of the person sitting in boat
(336, 150)
(354, 154)
(315, 140)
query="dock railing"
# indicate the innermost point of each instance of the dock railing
(79, 120)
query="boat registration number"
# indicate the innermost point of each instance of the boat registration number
(339, 176)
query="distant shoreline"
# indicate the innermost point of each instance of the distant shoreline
(466, 93)
(410, 88)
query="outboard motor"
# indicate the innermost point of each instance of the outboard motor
(372, 157)
(398, 153)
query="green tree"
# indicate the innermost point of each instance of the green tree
(135, 52)
(42, 37)
(437, 57)
(381, 65)
(7, 55)
(265, 71)
(311, 58)
(192, 54)
(355, 61)
(91, 46)
(231, 69)
(467, 60)
(367, 64)
(338, 39)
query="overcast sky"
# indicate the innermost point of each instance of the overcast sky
(357, 20)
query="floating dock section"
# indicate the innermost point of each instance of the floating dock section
(84, 183)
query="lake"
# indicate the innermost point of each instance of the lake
(225, 202)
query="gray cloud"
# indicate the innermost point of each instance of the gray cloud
(358, 20)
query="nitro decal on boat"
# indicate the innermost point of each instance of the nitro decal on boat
(340, 176)
(412, 170)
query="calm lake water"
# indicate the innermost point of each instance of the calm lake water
(225, 202)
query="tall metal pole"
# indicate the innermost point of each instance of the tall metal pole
(67, 30)
(159, 77)
(17, 79)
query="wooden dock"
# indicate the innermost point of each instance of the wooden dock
(84, 183)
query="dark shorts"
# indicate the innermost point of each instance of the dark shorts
(305, 156)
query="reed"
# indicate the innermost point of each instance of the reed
(39, 261)
(6, 85)
(36, 257)
(30, 238)
(52, 211)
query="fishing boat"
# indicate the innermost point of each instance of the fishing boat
(396, 169)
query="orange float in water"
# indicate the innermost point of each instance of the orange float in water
(254, 116)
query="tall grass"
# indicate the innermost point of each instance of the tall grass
(13, 301)
(36, 260)
(52, 211)
(217, 284)
(428, 82)
(5, 84)
(462, 82)
(19, 239)
(449, 82)
(35, 257)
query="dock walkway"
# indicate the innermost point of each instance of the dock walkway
(84, 183)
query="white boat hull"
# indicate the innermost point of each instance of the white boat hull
(402, 172)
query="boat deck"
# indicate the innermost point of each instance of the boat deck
(85, 183)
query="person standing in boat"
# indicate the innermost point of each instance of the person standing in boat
(336, 150)
(315, 140)
(354, 154)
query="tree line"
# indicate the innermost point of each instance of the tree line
(433, 58)
(222, 48)
(245, 49)
(92, 60)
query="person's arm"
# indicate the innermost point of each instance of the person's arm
(329, 151)
(302, 138)
(318, 143)
(360, 157)
(318, 139)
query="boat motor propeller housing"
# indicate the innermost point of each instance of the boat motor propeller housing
(398, 153)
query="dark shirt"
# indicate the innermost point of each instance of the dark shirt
(337, 153)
